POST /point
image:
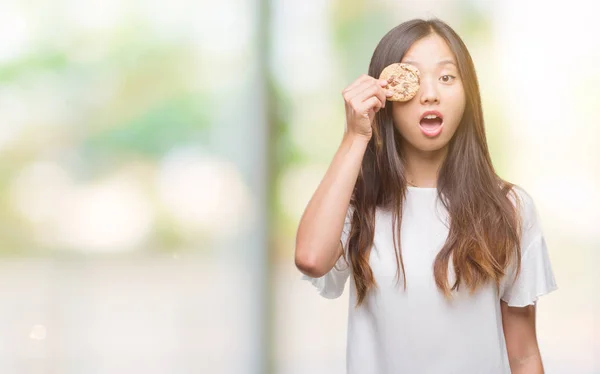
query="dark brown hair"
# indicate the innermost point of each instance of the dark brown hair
(484, 233)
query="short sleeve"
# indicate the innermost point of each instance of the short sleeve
(331, 285)
(536, 277)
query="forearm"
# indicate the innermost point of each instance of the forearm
(321, 224)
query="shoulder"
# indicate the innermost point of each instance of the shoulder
(524, 203)
(528, 214)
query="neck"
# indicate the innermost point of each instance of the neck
(422, 167)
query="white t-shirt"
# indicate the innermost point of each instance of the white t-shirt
(418, 331)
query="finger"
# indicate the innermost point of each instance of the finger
(382, 82)
(371, 104)
(357, 82)
(382, 95)
(363, 91)
(364, 78)
(372, 90)
(358, 88)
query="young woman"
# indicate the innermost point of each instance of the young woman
(446, 259)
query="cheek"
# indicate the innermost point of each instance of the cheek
(457, 101)
(401, 113)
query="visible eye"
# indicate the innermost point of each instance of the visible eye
(447, 78)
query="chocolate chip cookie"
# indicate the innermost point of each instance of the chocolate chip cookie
(403, 79)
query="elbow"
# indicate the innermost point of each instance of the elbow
(527, 365)
(307, 263)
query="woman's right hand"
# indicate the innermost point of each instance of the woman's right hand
(363, 98)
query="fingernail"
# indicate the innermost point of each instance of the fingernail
(389, 93)
(382, 81)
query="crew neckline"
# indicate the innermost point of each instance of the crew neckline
(415, 188)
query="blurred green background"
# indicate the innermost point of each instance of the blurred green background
(156, 157)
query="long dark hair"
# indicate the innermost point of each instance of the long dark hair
(484, 234)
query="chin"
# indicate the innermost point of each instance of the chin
(432, 147)
(429, 145)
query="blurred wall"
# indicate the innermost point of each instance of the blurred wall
(156, 157)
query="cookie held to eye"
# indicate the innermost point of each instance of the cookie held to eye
(403, 80)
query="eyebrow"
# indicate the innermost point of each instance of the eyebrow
(441, 62)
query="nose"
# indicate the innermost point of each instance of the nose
(429, 92)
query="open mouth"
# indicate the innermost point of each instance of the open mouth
(431, 123)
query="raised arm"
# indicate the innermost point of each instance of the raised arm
(318, 244)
